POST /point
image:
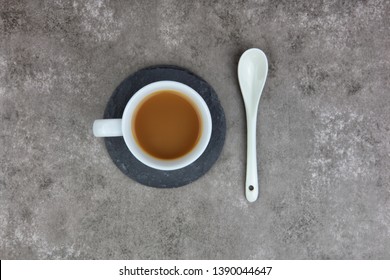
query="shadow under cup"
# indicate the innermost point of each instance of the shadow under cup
(166, 125)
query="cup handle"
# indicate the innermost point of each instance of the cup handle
(107, 128)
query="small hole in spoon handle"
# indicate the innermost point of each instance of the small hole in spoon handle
(251, 192)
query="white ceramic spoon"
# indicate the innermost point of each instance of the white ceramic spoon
(252, 73)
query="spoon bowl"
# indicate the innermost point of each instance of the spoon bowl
(252, 73)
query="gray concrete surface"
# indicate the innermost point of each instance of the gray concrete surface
(323, 131)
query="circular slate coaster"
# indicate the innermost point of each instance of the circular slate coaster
(142, 173)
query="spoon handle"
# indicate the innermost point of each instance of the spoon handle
(251, 185)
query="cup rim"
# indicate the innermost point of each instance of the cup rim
(139, 153)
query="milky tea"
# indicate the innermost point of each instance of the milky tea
(167, 125)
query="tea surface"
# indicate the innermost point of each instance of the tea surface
(167, 125)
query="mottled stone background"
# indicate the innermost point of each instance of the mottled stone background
(323, 131)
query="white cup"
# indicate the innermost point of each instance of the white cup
(123, 126)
